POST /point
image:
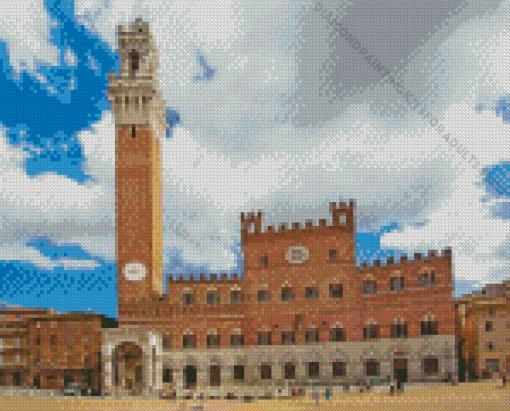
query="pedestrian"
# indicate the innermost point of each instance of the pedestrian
(399, 385)
(327, 394)
(392, 388)
(316, 395)
(504, 379)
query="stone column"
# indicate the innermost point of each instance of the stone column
(178, 373)
(414, 368)
(107, 372)
(122, 374)
(146, 370)
(276, 374)
(301, 375)
(158, 374)
(202, 375)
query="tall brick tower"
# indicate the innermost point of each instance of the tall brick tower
(140, 127)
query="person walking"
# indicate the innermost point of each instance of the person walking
(327, 394)
(392, 388)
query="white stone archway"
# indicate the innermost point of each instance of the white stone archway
(150, 345)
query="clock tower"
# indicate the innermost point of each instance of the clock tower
(140, 127)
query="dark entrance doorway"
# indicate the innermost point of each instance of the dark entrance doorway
(400, 369)
(16, 379)
(127, 368)
(215, 375)
(37, 381)
(190, 377)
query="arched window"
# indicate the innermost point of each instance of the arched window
(237, 337)
(398, 328)
(370, 330)
(135, 60)
(427, 280)
(337, 334)
(189, 341)
(287, 294)
(369, 287)
(429, 326)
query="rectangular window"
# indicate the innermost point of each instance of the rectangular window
(265, 372)
(264, 338)
(133, 132)
(313, 370)
(332, 255)
(38, 341)
(237, 340)
(430, 366)
(213, 341)
(239, 372)
(336, 291)
(288, 337)
(397, 283)
(489, 326)
(312, 336)
(235, 297)
(212, 298)
(311, 293)
(339, 369)
(264, 261)
(53, 340)
(263, 296)
(290, 371)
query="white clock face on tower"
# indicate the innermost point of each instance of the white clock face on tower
(135, 271)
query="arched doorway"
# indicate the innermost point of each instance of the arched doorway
(128, 368)
(400, 369)
(190, 377)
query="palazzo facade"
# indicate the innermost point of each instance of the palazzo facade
(303, 313)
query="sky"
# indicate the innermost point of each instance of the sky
(273, 108)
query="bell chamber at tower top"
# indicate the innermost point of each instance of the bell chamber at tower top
(135, 95)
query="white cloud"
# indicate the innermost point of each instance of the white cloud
(75, 264)
(464, 221)
(52, 205)
(25, 27)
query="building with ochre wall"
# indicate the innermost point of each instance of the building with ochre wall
(303, 313)
(484, 331)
